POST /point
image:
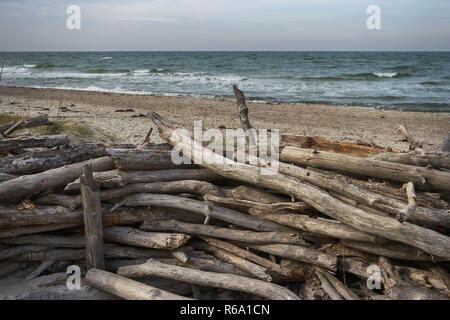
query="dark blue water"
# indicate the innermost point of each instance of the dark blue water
(418, 81)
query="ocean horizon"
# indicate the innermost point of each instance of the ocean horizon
(399, 80)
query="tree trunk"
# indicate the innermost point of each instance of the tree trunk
(32, 142)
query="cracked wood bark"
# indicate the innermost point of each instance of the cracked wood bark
(341, 288)
(14, 222)
(137, 159)
(327, 286)
(358, 190)
(425, 239)
(20, 250)
(32, 122)
(35, 183)
(92, 216)
(116, 178)
(170, 187)
(48, 240)
(6, 176)
(368, 167)
(393, 250)
(396, 288)
(318, 143)
(421, 159)
(136, 237)
(255, 270)
(32, 142)
(203, 208)
(73, 254)
(271, 266)
(220, 280)
(325, 227)
(126, 288)
(38, 161)
(225, 233)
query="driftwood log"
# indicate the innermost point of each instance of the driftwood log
(126, 288)
(32, 142)
(428, 240)
(227, 281)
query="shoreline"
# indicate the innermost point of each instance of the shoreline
(341, 123)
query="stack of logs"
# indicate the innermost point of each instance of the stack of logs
(335, 221)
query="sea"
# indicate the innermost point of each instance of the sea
(413, 81)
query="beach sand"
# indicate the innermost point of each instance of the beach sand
(98, 109)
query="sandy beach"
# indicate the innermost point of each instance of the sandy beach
(100, 110)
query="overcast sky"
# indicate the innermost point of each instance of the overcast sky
(225, 25)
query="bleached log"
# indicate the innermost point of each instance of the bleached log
(116, 178)
(30, 123)
(32, 142)
(203, 208)
(135, 237)
(126, 288)
(368, 167)
(224, 233)
(271, 266)
(392, 250)
(421, 159)
(35, 183)
(255, 270)
(410, 210)
(226, 281)
(341, 288)
(39, 161)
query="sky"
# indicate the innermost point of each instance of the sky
(230, 25)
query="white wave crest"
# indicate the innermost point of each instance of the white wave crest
(385, 74)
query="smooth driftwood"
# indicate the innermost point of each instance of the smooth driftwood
(428, 240)
(243, 116)
(324, 227)
(358, 149)
(116, 178)
(341, 288)
(73, 254)
(368, 167)
(136, 237)
(126, 288)
(412, 204)
(39, 161)
(170, 187)
(397, 288)
(254, 269)
(42, 218)
(271, 266)
(35, 183)
(422, 158)
(32, 142)
(226, 281)
(361, 192)
(92, 216)
(267, 207)
(19, 250)
(26, 230)
(393, 250)
(203, 208)
(48, 240)
(413, 144)
(32, 122)
(147, 159)
(327, 287)
(224, 233)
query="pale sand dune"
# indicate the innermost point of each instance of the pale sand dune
(336, 123)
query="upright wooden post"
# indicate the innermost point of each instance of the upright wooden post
(92, 214)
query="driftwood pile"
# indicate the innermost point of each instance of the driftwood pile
(334, 218)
